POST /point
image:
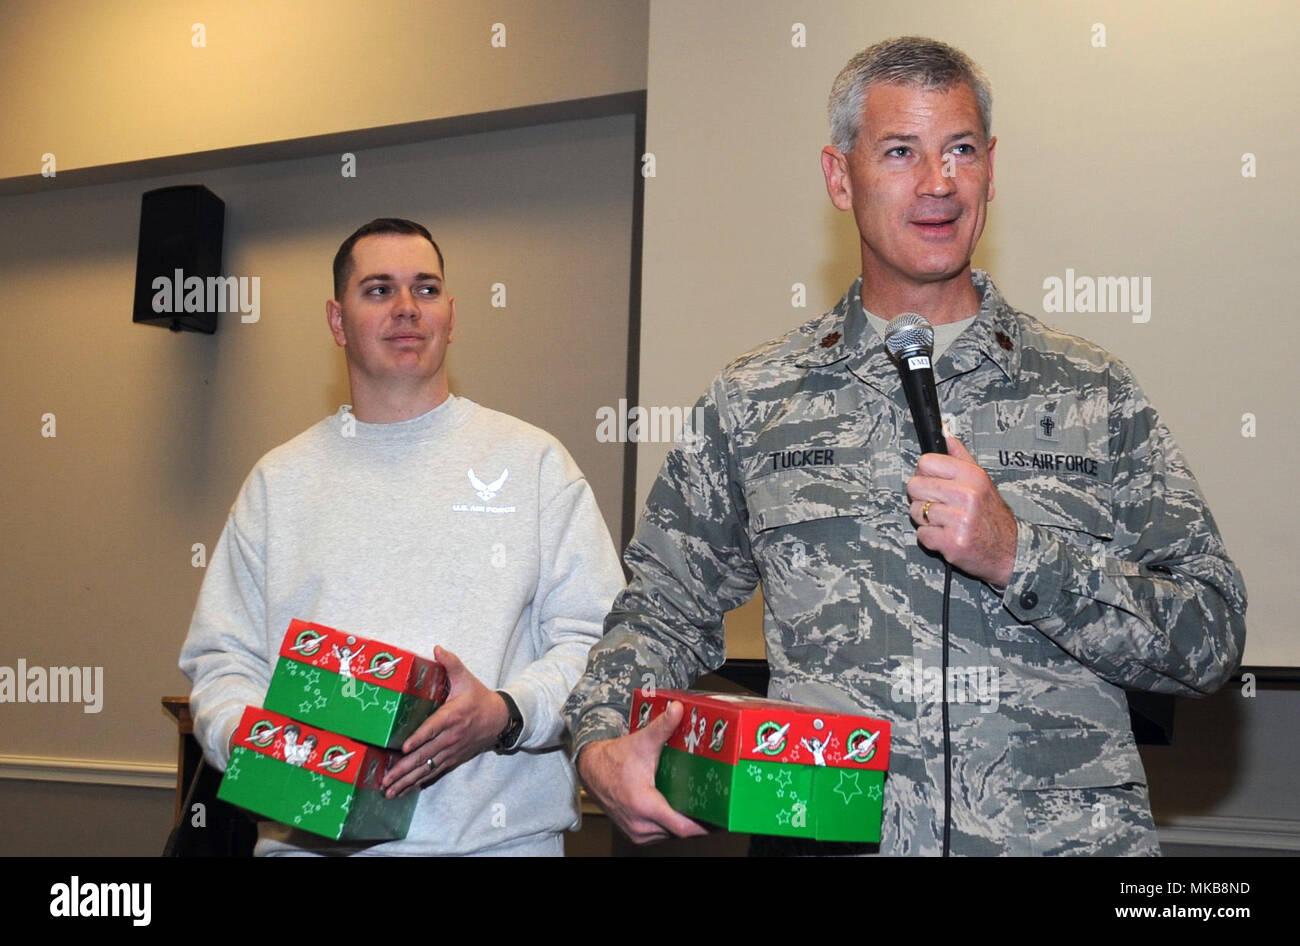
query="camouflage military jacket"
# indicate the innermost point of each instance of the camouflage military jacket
(796, 478)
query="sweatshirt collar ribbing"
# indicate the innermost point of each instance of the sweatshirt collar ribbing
(430, 425)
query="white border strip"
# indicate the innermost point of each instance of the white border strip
(89, 771)
(1274, 834)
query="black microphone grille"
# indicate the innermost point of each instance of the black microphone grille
(909, 332)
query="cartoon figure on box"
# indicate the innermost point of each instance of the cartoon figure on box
(696, 732)
(818, 748)
(295, 752)
(345, 655)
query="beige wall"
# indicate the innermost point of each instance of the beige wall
(1117, 160)
(155, 431)
(99, 83)
(1122, 160)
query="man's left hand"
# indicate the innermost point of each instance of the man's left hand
(965, 520)
(469, 722)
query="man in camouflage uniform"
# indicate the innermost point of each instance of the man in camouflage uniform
(1084, 557)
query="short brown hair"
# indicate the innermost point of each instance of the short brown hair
(343, 258)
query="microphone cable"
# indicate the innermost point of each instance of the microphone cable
(947, 743)
(909, 339)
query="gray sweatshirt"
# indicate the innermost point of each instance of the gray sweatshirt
(463, 527)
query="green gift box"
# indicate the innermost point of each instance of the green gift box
(768, 767)
(354, 686)
(313, 779)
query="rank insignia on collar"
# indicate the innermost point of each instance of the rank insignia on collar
(830, 339)
(1003, 340)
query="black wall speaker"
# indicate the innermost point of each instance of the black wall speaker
(178, 268)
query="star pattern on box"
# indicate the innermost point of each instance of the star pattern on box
(783, 778)
(304, 707)
(390, 706)
(755, 772)
(783, 817)
(699, 795)
(848, 787)
(317, 778)
(313, 677)
(832, 748)
(366, 697)
(874, 792)
(321, 702)
(232, 770)
(347, 804)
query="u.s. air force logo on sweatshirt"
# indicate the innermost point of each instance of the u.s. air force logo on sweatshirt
(486, 492)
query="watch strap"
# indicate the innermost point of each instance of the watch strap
(514, 724)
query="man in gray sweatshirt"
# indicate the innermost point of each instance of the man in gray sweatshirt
(433, 524)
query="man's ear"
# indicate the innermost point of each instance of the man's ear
(835, 168)
(334, 317)
(451, 321)
(993, 145)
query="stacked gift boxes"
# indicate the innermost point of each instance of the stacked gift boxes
(313, 779)
(768, 767)
(337, 708)
(358, 687)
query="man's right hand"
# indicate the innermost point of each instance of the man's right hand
(621, 774)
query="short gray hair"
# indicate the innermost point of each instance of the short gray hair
(905, 60)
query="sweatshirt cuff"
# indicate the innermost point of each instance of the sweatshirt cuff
(540, 729)
(1039, 574)
(216, 736)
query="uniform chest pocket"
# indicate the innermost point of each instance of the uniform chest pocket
(807, 530)
(1063, 482)
(791, 497)
(1059, 502)
(797, 487)
(1080, 791)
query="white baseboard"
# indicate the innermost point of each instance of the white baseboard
(89, 771)
(1274, 834)
(1279, 834)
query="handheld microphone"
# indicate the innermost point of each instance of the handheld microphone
(910, 341)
